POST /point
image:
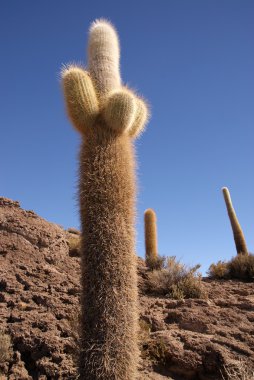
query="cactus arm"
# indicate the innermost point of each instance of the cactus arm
(120, 109)
(240, 242)
(80, 97)
(141, 118)
(104, 57)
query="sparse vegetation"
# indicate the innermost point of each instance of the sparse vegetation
(73, 230)
(74, 245)
(5, 347)
(157, 262)
(176, 280)
(219, 270)
(157, 351)
(152, 349)
(189, 287)
(144, 336)
(242, 267)
(241, 371)
(239, 267)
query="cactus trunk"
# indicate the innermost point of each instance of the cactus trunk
(109, 282)
(240, 243)
(108, 116)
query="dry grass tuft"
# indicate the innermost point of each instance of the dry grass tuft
(73, 230)
(74, 245)
(242, 371)
(176, 280)
(157, 351)
(242, 267)
(239, 267)
(153, 349)
(6, 351)
(144, 337)
(155, 262)
(219, 270)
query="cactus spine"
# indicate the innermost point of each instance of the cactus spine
(240, 243)
(107, 116)
(150, 236)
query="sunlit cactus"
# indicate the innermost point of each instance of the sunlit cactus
(151, 237)
(104, 57)
(120, 109)
(107, 115)
(240, 243)
(81, 100)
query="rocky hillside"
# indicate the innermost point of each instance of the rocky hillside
(39, 302)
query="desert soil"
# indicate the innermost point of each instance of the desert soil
(39, 304)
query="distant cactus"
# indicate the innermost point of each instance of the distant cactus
(151, 238)
(107, 115)
(240, 243)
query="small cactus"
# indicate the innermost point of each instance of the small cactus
(107, 115)
(151, 237)
(240, 243)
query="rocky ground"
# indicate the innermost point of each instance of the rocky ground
(39, 300)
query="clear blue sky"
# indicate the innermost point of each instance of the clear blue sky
(193, 61)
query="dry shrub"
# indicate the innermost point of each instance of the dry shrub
(218, 270)
(155, 263)
(73, 230)
(242, 267)
(176, 280)
(74, 245)
(5, 347)
(154, 350)
(144, 338)
(189, 287)
(157, 351)
(241, 371)
(239, 267)
(144, 330)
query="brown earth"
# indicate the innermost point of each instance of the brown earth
(39, 302)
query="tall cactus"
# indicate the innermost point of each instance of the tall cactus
(151, 237)
(240, 243)
(108, 116)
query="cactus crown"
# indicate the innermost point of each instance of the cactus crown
(98, 94)
(104, 56)
(150, 214)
